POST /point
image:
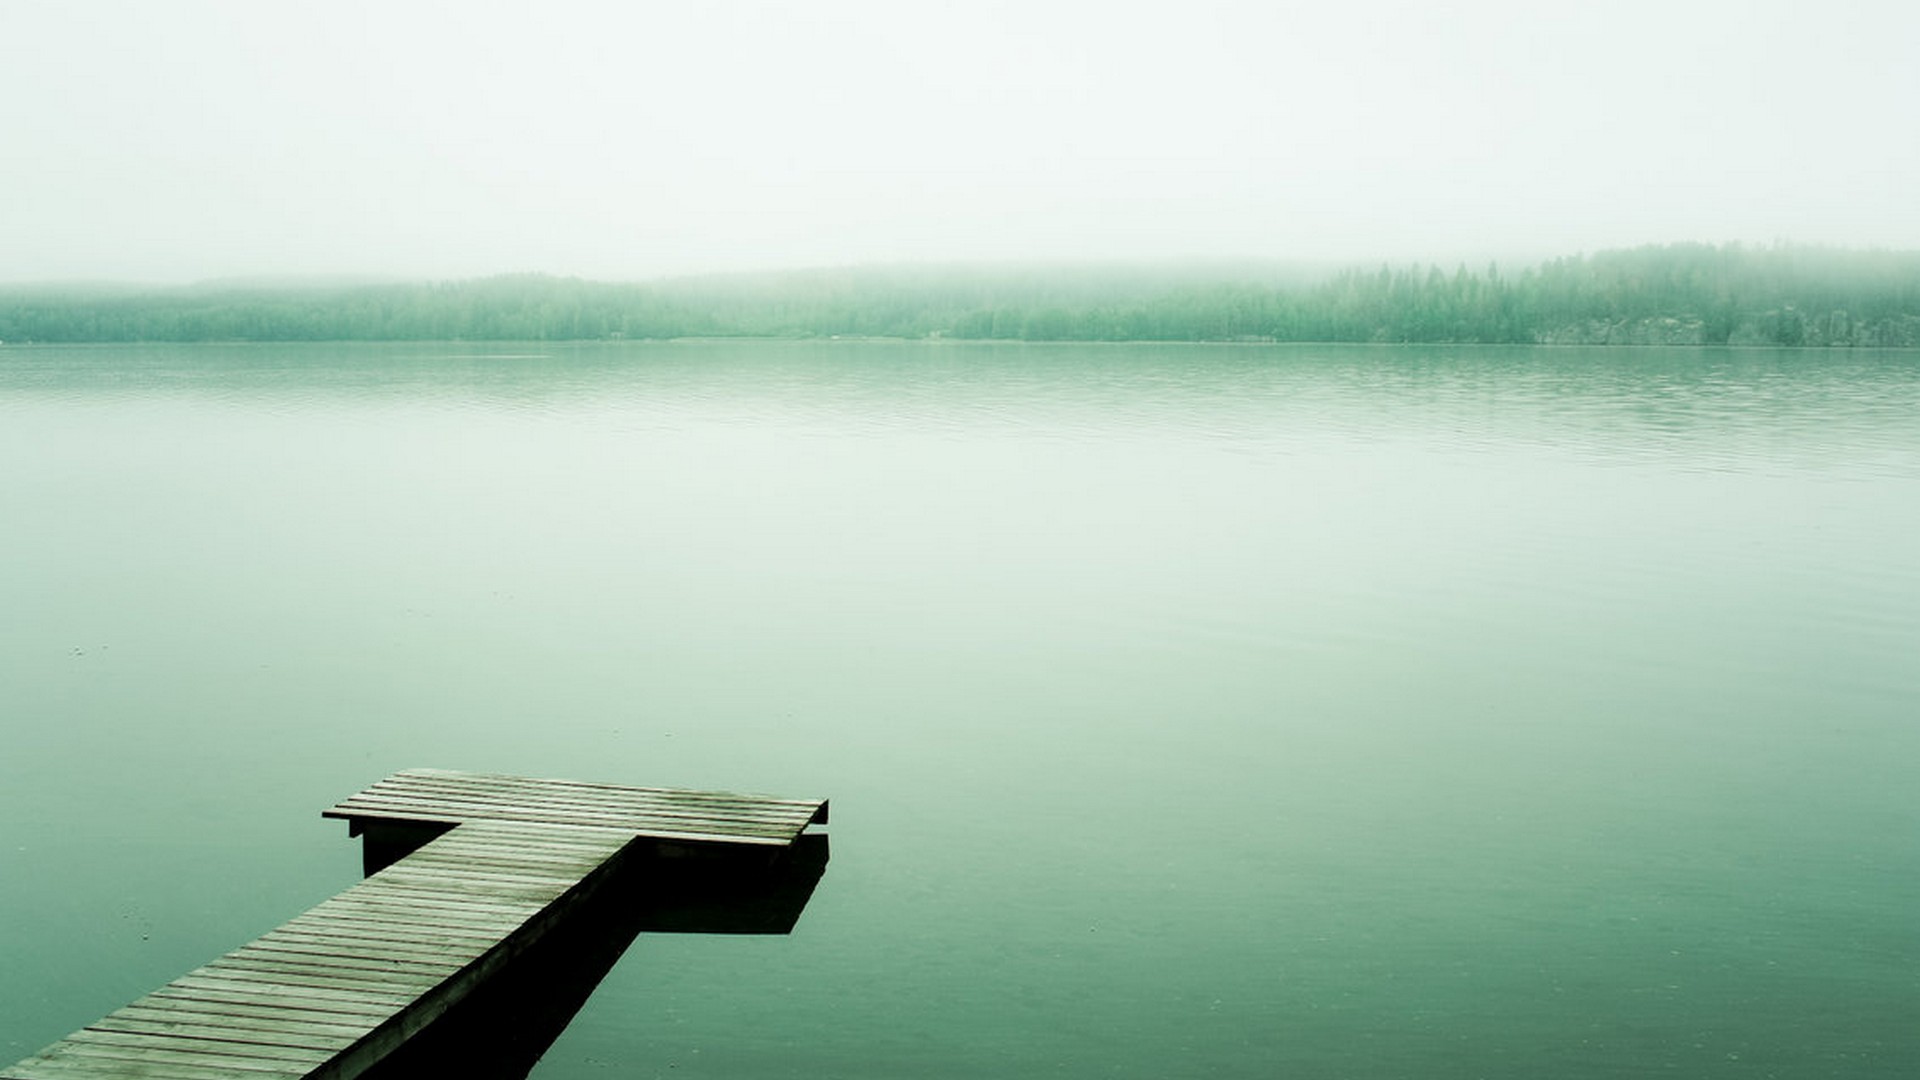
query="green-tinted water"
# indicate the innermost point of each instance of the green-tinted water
(1186, 711)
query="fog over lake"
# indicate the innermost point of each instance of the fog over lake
(215, 138)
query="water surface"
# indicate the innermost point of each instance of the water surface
(1371, 712)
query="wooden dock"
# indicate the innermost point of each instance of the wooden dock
(466, 871)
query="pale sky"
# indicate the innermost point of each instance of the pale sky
(189, 139)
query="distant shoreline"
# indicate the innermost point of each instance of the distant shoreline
(1676, 295)
(931, 343)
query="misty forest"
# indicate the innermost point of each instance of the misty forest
(1686, 294)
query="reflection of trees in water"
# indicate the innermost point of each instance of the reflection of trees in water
(500, 1031)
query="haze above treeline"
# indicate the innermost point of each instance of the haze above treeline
(1672, 295)
(419, 140)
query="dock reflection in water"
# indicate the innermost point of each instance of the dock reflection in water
(501, 1031)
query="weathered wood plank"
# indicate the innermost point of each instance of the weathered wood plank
(692, 809)
(533, 833)
(264, 1035)
(562, 812)
(394, 941)
(422, 775)
(156, 1007)
(237, 1014)
(453, 905)
(429, 910)
(179, 1043)
(346, 1008)
(453, 861)
(352, 920)
(276, 1027)
(349, 954)
(507, 839)
(479, 860)
(659, 827)
(476, 889)
(42, 1067)
(294, 994)
(307, 975)
(123, 1056)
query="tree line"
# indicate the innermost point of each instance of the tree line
(1673, 294)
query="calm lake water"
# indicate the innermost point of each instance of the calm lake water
(1186, 711)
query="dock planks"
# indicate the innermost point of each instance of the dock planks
(441, 796)
(331, 992)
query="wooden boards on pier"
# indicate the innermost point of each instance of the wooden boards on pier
(332, 992)
(440, 796)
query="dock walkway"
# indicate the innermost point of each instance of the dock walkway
(474, 869)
